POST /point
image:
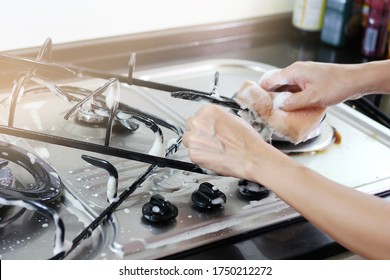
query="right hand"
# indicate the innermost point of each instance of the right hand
(314, 84)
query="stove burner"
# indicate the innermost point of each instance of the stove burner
(100, 114)
(91, 108)
(325, 138)
(47, 187)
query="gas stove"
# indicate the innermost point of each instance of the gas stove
(92, 166)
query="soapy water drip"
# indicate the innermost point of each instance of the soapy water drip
(112, 184)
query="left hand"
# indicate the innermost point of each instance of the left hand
(224, 143)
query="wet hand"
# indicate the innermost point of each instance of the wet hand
(222, 142)
(314, 84)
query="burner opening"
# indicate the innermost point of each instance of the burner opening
(8, 214)
(16, 176)
(93, 121)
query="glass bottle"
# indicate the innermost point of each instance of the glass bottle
(375, 34)
(342, 22)
(308, 14)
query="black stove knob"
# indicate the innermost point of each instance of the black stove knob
(208, 196)
(159, 210)
(252, 190)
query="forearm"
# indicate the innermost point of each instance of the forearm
(369, 78)
(227, 145)
(348, 216)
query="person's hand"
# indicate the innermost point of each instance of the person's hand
(219, 141)
(314, 84)
(222, 142)
(265, 114)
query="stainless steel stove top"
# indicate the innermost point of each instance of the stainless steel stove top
(125, 233)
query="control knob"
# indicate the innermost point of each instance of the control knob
(208, 196)
(252, 190)
(159, 210)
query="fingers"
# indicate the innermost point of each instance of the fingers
(201, 123)
(297, 79)
(188, 124)
(278, 81)
(295, 102)
(204, 147)
(273, 79)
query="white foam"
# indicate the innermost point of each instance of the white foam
(157, 148)
(279, 99)
(42, 152)
(32, 158)
(113, 94)
(156, 209)
(112, 189)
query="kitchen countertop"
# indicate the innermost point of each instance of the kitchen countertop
(271, 40)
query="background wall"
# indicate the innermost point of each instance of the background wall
(26, 23)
